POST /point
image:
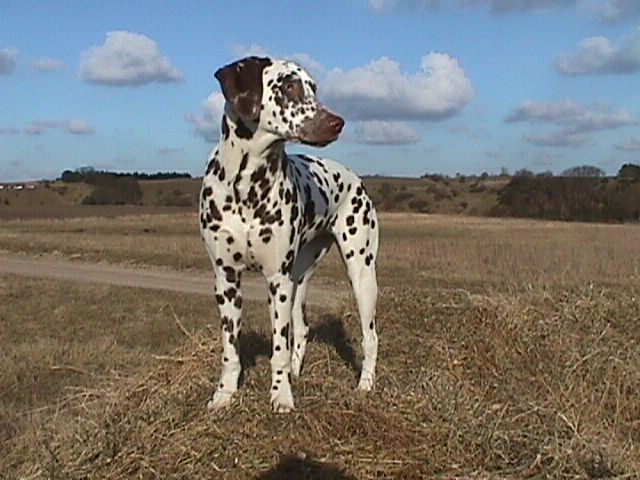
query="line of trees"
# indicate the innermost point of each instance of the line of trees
(90, 175)
(584, 196)
(628, 170)
(114, 188)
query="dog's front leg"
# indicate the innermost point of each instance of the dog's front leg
(229, 299)
(280, 303)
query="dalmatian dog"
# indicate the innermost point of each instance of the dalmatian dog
(264, 210)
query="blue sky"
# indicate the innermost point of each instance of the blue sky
(440, 86)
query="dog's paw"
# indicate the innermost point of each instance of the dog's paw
(296, 364)
(282, 398)
(366, 382)
(221, 399)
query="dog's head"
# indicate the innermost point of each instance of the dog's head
(278, 97)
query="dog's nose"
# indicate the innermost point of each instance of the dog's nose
(336, 123)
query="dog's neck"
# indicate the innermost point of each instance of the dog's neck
(252, 159)
(239, 137)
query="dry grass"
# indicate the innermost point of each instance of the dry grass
(434, 249)
(524, 363)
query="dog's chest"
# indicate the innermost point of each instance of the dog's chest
(270, 210)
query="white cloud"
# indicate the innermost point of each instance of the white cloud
(495, 6)
(127, 59)
(76, 126)
(572, 121)
(611, 10)
(253, 50)
(314, 67)
(208, 125)
(600, 55)
(381, 91)
(8, 60)
(572, 114)
(379, 96)
(383, 5)
(557, 138)
(310, 64)
(169, 151)
(631, 145)
(505, 6)
(604, 10)
(47, 65)
(378, 132)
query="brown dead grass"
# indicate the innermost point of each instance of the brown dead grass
(429, 249)
(525, 364)
(483, 386)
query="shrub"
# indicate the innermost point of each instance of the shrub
(477, 187)
(420, 205)
(402, 196)
(176, 199)
(570, 198)
(113, 190)
(629, 170)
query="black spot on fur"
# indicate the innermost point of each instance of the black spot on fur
(230, 293)
(225, 127)
(242, 131)
(215, 213)
(230, 274)
(368, 259)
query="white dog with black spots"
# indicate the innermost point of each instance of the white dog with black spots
(263, 209)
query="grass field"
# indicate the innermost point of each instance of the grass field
(509, 349)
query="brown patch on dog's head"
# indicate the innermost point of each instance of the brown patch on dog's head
(241, 84)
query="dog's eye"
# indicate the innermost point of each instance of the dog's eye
(293, 90)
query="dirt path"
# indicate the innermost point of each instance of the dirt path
(253, 287)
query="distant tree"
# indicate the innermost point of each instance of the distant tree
(584, 171)
(523, 172)
(90, 175)
(504, 172)
(629, 170)
(71, 177)
(110, 189)
(545, 174)
(86, 170)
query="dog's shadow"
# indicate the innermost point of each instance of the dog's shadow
(330, 331)
(293, 467)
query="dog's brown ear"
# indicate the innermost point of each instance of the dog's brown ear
(241, 84)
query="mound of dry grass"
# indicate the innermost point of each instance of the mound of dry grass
(530, 384)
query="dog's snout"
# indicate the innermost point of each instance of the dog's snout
(336, 123)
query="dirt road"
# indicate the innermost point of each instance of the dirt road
(253, 287)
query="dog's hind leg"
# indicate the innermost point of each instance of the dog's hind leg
(356, 234)
(306, 262)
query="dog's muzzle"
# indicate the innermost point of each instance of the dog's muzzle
(321, 130)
